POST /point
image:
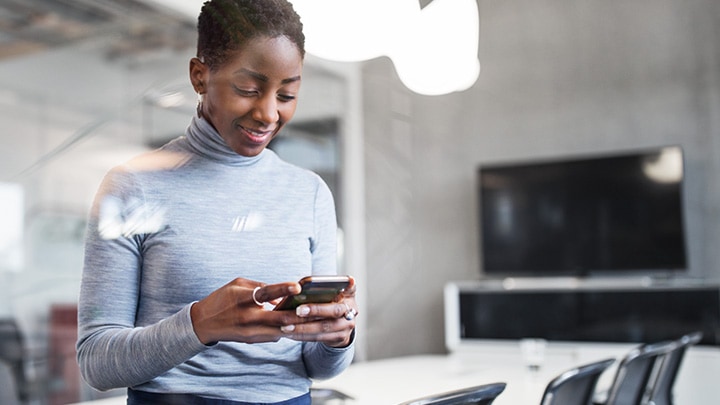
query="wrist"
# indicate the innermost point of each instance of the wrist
(196, 319)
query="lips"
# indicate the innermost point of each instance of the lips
(254, 136)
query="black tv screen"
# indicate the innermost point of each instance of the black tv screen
(582, 216)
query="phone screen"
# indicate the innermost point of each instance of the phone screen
(316, 289)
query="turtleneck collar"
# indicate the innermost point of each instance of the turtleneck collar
(208, 142)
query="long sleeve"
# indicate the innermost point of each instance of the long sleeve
(126, 357)
(323, 362)
(112, 351)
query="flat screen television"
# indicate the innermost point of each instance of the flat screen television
(615, 214)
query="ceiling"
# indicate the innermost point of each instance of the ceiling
(138, 27)
(72, 73)
(82, 74)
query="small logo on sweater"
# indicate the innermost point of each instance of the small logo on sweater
(245, 223)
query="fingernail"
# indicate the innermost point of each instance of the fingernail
(287, 328)
(302, 310)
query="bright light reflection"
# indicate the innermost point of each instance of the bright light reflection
(667, 168)
(127, 219)
(434, 49)
(12, 213)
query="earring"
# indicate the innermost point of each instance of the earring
(199, 104)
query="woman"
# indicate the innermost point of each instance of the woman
(185, 244)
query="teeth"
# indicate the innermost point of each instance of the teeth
(256, 133)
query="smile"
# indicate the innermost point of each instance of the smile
(258, 137)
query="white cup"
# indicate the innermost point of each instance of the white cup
(533, 352)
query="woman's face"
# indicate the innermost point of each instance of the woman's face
(253, 94)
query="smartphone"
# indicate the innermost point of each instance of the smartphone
(315, 289)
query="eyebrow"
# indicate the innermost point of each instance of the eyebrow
(263, 78)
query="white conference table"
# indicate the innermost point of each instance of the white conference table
(394, 380)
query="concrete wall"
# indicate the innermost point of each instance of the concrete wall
(558, 78)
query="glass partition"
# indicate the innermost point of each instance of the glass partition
(111, 83)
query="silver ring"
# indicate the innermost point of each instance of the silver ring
(260, 304)
(350, 314)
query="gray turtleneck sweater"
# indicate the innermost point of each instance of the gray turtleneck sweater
(171, 226)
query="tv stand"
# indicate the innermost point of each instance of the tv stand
(624, 310)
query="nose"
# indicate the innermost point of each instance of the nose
(266, 109)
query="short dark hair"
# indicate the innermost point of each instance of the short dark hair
(224, 26)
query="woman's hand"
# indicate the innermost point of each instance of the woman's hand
(331, 323)
(231, 314)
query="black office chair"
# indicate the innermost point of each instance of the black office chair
(633, 376)
(8, 386)
(661, 392)
(15, 359)
(478, 395)
(575, 386)
(12, 355)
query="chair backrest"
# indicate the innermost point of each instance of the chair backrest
(633, 374)
(8, 386)
(477, 395)
(11, 353)
(661, 391)
(575, 386)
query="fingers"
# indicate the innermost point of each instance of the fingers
(238, 312)
(334, 310)
(329, 323)
(350, 290)
(273, 292)
(334, 332)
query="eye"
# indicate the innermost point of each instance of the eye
(245, 92)
(286, 97)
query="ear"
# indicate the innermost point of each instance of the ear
(198, 75)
